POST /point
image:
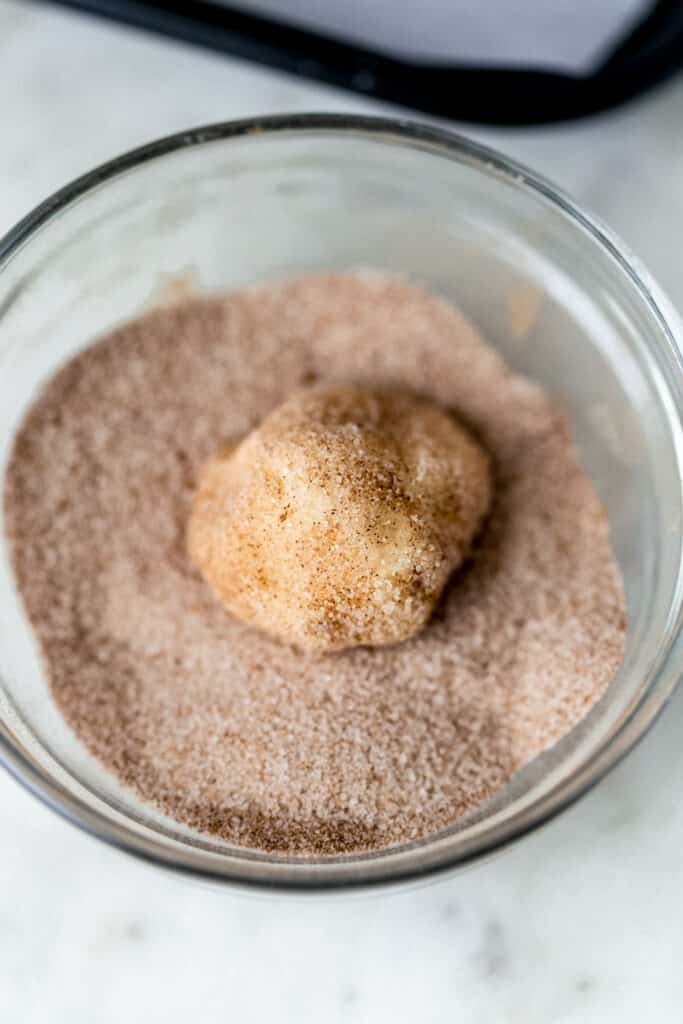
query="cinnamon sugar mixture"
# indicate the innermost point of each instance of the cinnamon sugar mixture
(237, 734)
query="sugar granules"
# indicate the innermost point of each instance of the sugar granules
(241, 736)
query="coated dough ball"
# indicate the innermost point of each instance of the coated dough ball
(338, 521)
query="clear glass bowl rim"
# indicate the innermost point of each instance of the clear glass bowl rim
(367, 870)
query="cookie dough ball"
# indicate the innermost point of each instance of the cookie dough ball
(338, 521)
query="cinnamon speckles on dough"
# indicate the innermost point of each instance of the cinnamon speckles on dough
(339, 519)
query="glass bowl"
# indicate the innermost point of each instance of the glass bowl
(242, 202)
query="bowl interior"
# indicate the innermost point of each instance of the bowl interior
(539, 283)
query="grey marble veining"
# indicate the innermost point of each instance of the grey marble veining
(580, 922)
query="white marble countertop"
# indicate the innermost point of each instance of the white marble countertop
(582, 921)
